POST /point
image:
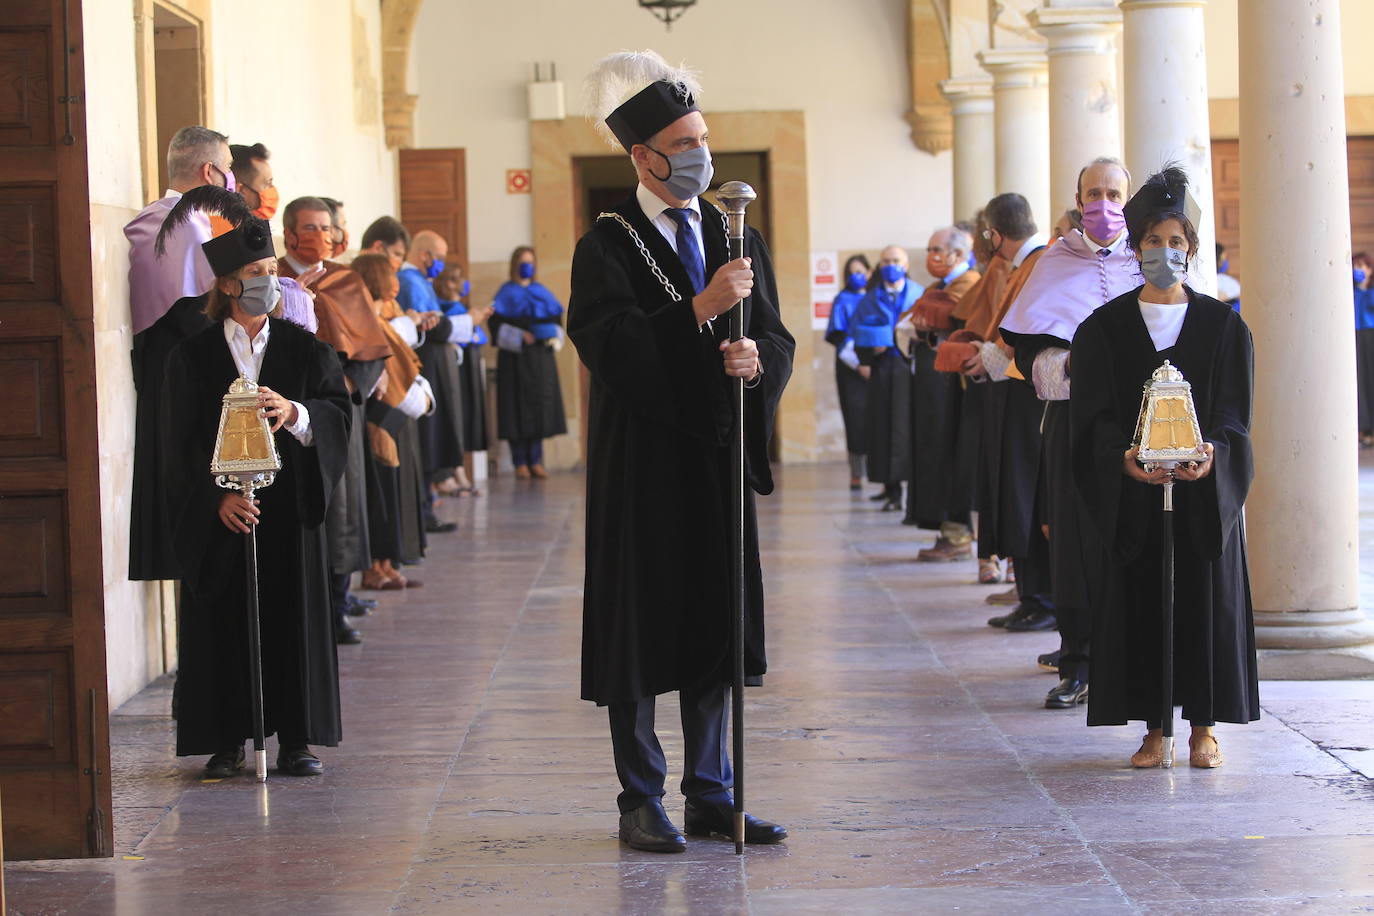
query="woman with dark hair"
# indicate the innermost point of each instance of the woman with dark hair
(526, 322)
(1115, 352)
(301, 391)
(852, 386)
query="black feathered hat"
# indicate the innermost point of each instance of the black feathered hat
(1164, 191)
(209, 199)
(650, 110)
(248, 242)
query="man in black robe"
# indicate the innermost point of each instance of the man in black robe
(1009, 466)
(651, 283)
(303, 394)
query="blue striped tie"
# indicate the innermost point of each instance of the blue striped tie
(687, 249)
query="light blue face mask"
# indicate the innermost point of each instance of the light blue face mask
(689, 172)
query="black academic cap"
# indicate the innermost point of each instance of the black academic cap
(650, 110)
(1165, 190)
(251, 241)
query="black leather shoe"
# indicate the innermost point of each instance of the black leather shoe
(345, 635)
(355, 607)
(224, 764)
(882, 495)
(707, 818)
(296, 760)
(438, 527)
(1067, 694)
(1038, 619)
(1049, 661)
(647, 828)
(1020, 612)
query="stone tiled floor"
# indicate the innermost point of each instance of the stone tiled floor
(898, 737)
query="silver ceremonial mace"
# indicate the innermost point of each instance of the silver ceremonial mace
(734, 197)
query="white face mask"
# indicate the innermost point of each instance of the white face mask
(689, 172)
(260, 295)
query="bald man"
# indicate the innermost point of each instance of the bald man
(890, 293)
(440, 350)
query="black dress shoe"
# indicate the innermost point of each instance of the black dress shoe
(438, 527)
(354, 607)
(1067, 694)
(881, 496)
(1038, 619)
(1020, 612)
(707, 818)
(647, 828)
(224, 764)
(296, 760)
(1049, 661)
(345, 635)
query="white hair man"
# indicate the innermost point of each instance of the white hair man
(649, 281)
(940, 496)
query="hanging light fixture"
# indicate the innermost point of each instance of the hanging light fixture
(668, 11)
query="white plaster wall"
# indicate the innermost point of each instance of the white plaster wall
(843, 63)
(1223, 50)
(318, 147)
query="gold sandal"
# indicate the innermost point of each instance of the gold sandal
(1149, 758)
(1205, 760)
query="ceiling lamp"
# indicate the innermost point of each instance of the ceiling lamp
(669, 11)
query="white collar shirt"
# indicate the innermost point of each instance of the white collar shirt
(248, 356)
(1036, 241)
(657, 212)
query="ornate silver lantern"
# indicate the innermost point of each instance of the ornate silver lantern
(246, 459)
(1167, 432)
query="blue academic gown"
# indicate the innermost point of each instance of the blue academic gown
(529, 401)
(1364, 357)
(888, 410)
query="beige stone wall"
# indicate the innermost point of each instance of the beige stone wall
(325, 134)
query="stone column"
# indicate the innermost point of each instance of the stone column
(975, 171)
(1085, 111)
(1021, 125)
(1303, 511)
(1165, 100)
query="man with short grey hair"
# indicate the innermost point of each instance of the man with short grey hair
(196, 156)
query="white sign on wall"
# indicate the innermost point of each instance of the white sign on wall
(825, 283)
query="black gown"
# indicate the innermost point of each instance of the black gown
(1215, 677)
(151, 553)
(656, 607)
(473, 377)
(441, 432)
(1008, 469)
(937, 493)
(529, 399)
(300, 669)
(887, 416)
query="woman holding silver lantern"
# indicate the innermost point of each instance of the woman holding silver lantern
(1115, 352)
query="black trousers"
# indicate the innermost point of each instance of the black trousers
(1033, 578)
(1075, 638)
(639, 760)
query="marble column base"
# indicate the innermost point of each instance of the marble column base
(1314, 645)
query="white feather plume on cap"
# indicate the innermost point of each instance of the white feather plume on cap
(621, 75)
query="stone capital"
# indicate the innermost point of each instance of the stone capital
(1021, 68)
(968, 94)
(1077, 30)
(1129, 6)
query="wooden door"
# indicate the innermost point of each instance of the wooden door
(434, 196)
(54, 715)
(1226, 164)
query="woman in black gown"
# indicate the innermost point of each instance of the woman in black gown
(1115, 351)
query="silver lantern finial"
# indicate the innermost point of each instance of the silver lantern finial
(1167, 432)
(245, 456)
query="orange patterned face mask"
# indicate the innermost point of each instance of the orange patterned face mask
(268, 198)
(313, 246)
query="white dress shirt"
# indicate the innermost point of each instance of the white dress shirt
(248, 356)
(656, 210)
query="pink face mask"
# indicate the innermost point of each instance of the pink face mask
(1103, 219)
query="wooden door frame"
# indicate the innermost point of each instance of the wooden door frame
(779, 134)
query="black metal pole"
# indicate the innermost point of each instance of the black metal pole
(737, 487)
(250, 549)
(1167, 666)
